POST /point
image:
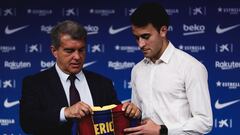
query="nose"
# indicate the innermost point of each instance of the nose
(141, 42)
(76, 55)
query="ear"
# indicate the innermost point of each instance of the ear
(163, 31)
(54, 51)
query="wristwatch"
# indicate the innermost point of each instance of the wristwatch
(163, 130)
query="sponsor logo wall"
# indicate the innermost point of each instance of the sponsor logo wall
(208, 30)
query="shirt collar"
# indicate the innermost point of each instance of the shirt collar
(64, 76)
(167, 54)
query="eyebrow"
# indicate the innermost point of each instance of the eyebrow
(73, 49)
(144, 36)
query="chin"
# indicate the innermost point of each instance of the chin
(147, 56)
(75, 71)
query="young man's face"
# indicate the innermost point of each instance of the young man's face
(71, 54)
(150, 40)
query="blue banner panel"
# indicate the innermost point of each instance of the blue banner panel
(208, 30)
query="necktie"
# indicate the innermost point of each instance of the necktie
(73, 92)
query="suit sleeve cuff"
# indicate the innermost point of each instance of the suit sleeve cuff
(62, 116)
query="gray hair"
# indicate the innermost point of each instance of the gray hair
(68, 27)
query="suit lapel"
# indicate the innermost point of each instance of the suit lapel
(57, 87)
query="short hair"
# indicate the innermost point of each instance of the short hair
(71, 28)
(150, 13)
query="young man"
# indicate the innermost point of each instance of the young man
(168, 85)
(49, 102)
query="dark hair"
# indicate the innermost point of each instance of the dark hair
(150, 13)
(71, 28)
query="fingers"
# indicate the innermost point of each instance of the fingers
(124, 106)
(133, 131)
(131, 110)
(86, 108)
(78, 110)
(137, 114)
(145, 120)
(147, 127)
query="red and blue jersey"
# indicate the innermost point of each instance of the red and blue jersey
(107, 122)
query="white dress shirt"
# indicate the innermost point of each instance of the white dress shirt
(81, 85)
(173, 91)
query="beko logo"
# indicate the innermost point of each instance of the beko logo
(193, 29)
(47, 28)
(91, 29)
(14, 65)
(224, 65)
(46, 64)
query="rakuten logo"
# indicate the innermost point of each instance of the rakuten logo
(193, 29)
(120, 65)
(13, 65)
(224, 65)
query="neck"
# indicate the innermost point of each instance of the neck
(161, 51)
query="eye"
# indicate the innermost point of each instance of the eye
(145, 36)
(68, 50)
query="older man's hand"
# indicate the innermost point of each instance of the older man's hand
(131, 110)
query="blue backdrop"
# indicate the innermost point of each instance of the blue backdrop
(208, 30)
